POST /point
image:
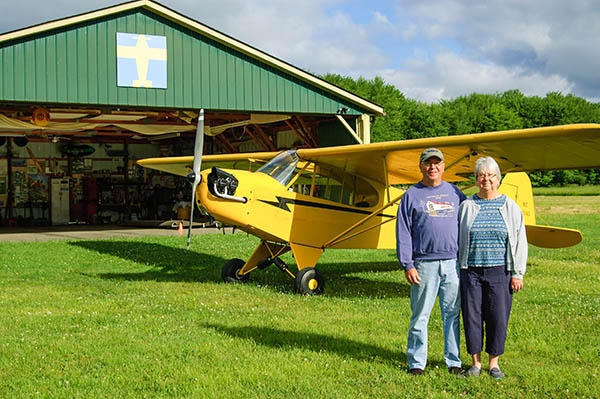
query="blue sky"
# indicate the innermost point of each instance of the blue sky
(429, 49)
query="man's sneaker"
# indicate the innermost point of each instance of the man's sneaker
(473, 371)
(497, 373)
(456, 371)
(416, 371)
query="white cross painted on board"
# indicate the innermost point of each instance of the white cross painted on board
(142, 54)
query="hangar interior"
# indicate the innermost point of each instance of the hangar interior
(72, 126)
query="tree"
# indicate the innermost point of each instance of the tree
(390, 126)
(476, 113)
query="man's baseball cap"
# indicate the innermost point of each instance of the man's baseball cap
(431, 152)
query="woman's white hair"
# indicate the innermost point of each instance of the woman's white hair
(487, 163)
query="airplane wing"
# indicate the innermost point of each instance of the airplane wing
(182, 166)
(396, 162)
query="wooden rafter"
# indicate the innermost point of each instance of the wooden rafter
(225, 144)
(261, 133)
(304, 133)
(112, 125)
(304, 139)
(307, 131)
(256, 139)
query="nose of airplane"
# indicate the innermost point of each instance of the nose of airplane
(191, 177)
(223, 185)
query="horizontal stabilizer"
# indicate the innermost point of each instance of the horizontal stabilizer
(552, 237)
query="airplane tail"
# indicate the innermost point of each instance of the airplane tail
(518, 187)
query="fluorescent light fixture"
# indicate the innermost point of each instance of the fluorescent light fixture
(164, 136)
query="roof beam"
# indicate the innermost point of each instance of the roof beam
(349, 129)
(225, 144)
(306, 131)
(256, 139)
(304, 139)
(265, 138)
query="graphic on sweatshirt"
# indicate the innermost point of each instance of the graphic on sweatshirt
(437, 207)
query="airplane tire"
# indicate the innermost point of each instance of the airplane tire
(230, 271)
(309, 281)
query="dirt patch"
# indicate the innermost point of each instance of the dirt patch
(567, 205)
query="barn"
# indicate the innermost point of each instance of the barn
(82, 98)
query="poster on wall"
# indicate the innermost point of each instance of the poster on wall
(38, 188)
(19, 182)
(3, 182)
(3, 191)
(38, 182)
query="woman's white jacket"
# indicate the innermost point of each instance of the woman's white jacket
(516, 253)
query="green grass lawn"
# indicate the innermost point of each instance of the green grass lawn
(146, 318)
(571, 190)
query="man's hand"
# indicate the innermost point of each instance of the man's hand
(412, 276)
(516, 284)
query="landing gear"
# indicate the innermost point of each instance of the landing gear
(309, 281)
(263, 264)
(231, 271)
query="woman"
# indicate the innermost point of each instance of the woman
(492, 257)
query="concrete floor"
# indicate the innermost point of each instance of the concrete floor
(94, 232)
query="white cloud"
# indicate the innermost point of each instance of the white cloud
(25, 13)
(448, 76)
(382, 20)
(550, 43)
(431, 49)
(316, 35)
(301, 33)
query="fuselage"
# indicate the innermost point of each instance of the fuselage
(276, 213)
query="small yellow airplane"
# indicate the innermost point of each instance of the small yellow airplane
(309, 200)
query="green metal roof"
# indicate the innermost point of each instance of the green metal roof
(73, 61)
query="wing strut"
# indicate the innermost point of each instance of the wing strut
(385, 175)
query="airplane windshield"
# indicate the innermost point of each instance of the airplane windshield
(281, 168)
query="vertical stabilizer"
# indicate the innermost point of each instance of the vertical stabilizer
(518, 187)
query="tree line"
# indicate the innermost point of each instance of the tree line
(476, 113)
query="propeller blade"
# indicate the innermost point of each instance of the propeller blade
(198, 147)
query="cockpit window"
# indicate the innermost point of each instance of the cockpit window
(321, 182)
(282, 167)
(343, 187)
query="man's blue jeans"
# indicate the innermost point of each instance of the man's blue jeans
(438, 277)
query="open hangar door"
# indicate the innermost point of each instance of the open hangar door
(64, 165)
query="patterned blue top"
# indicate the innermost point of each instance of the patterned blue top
(488, 235)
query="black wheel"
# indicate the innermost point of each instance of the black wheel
(309, 281)
(231, 269)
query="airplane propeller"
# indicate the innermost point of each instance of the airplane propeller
(194, 177)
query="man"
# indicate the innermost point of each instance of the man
(427, 248)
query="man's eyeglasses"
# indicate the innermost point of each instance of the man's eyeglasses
(433, 163)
